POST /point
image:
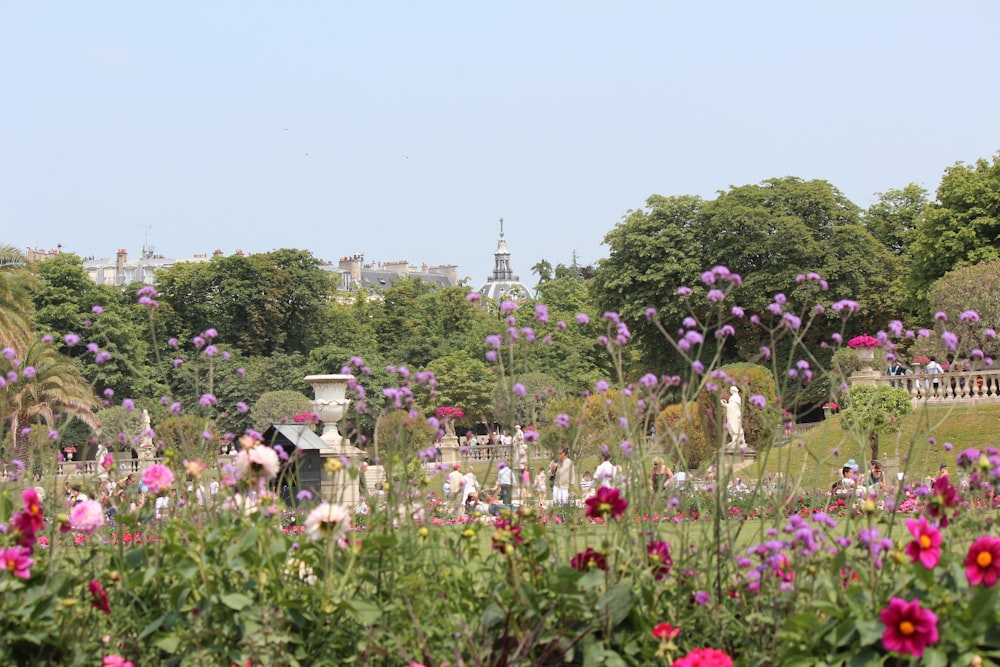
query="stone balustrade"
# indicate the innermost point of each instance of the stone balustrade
(947, 389)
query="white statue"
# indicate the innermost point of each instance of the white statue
(734, 420)
(147, 437)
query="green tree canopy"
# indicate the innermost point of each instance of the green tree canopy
(962, 227)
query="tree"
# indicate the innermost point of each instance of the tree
(962, 227)
(52, 390)
(276, 407)
(651, 253)
(975, 288)
(895, 216)
(16, 308)
(465, 382)
(873, 411)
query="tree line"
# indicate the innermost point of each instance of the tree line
(278, 316)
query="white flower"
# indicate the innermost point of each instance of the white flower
(299, 569)
(258, 461)
(328, 521)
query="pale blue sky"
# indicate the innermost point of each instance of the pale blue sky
(425, 122)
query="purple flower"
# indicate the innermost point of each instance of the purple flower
(702, 598)
(715, 295)
(683, 291)
(582, 318)
(519, 389)
(175, 407)
(612, 316)
(97, 310)
(758, 400)
(950, 339)
(737, 311)
(71, 339)
(845, 305)
(128, 404)
(508, 307)
(542, 313)
(211, 351)
(601, 387)
(207, 400)
(649, 380)
(562, 420)
(941, 316)
(791, 321)
(173, 342)
(473, 296)
(494, 341)
(626, 447)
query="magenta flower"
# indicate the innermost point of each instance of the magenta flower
(909, 629)
(982, 563)
(926, 544)
(589, 560)
(114, 660)
(659, 557)
(18, 560)
(704, 657)
(508, 306)
(473, 296)
(71, 339)
(100, 601)
(157, 478)
(542, 313)
(607, 502)
(207, 400)
(582, 318)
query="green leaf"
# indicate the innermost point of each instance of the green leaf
(364, 612)
(870, 632)
(934, 658)
(616, 603)
(168, 643)
(235, 601)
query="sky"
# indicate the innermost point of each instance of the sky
(406, 130)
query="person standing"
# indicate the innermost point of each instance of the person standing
(505, 481)
(565, 478)
(895, 369)
(934, 369)
(470, 486)
(605, 473)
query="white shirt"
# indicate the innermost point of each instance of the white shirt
(605, 474)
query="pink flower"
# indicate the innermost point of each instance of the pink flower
(86, 517)
(258, 461)
(982, 563)
(909, 629)
(926, 545)
(704, 657)
(17, 560)
(115, 661)
(157, 479)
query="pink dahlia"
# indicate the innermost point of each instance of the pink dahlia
(704, 657)
(909, 629)
(86, 517)
(926, 544)
(982, 563)
(18, 560)
(157, 479)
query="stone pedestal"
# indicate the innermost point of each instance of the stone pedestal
(450, 450)
(331, 405)
(863, 377)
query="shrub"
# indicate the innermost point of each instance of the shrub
(680, 432)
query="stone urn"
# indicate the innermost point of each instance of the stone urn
(866, 355)
(331, 405)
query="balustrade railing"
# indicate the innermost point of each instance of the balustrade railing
(952, 388)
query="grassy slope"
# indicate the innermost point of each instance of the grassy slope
(818, 455)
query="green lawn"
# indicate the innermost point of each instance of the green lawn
(816, 457)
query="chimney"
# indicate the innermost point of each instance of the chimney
(120, 260)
